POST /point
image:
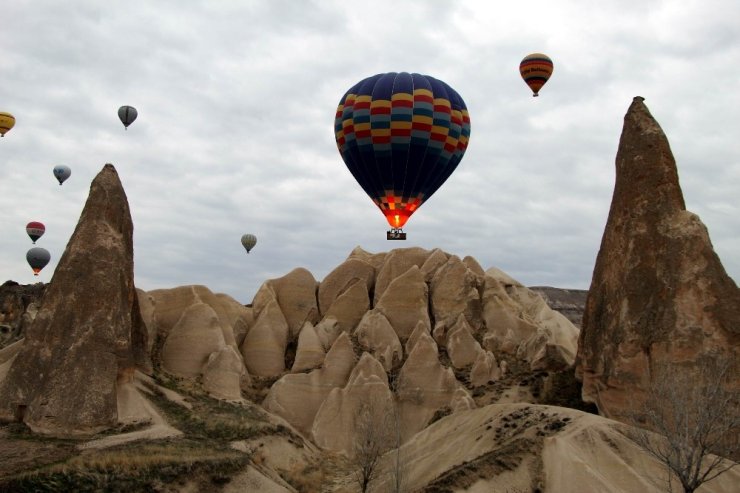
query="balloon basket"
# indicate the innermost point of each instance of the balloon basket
(395, 234)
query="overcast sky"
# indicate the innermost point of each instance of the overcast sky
(236, 105)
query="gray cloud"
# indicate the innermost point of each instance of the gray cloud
(235, 133)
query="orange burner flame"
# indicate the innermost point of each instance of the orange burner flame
(397, 218)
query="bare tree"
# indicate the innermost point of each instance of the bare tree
(696, 410)
(374, 434)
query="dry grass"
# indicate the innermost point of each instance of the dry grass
(131, 468)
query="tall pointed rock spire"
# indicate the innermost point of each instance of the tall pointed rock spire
(88, 330)
(659, 293)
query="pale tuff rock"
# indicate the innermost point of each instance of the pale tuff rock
(397, 262)
(461, 400)
(264, 346)
(309, 352)
(502, 277)
(7, 355)
(439, 333)
(163, 308)
(265, 295)
(505, 329)
(242, 325)
(462, 347)
(474, 266)
(420, 330)
(405, 302)
(340, 279)
(146, 307)
(367, 390)
(296, 294)
(376, 260)
(519, 322)
(436, 259)
(375, 334)
(454, 290)
(327, 331)
(424, 386)
(659, 293)
(224, 374)
(88, 329)
(485, 369)
(191, 341)
(587, 454)
(297, 397)
(350, 305)
(554, 345)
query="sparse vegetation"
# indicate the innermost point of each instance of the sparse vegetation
(375, 432)
(202, 456)
(144, 467)
(696, 411)
(218, 420)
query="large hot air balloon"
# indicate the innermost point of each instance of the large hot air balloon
(127, 114)
(35, 230)
(401, 135)
(248, 242)
(535, 69)
(61, 173)
(37, 258)
(7, 121)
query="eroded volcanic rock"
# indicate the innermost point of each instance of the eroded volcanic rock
(659, 293)
(88, 329)
(18, 306)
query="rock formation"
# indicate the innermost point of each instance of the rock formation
(366, 392)
(479, 315)
(659, 293)
(88, 329)
(18, 307)
(195, 332)
(570, 302)
(297, 397)
(189, 344)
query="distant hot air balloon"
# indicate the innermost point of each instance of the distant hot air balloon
(535, 69)
(62, 172)
(37, 258)
(35, 230)
(401, 135)
(248, 242)
(7, 121)
(127, 114)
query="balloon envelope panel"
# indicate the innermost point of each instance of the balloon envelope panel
(35, 230)
(62, 172)
(37, 258)
(536, 69)
(401, 136)
(249, 241)
(127, 115)
(7, 121)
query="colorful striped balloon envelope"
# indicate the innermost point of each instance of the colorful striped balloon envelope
(401, 136)
(536, 69)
